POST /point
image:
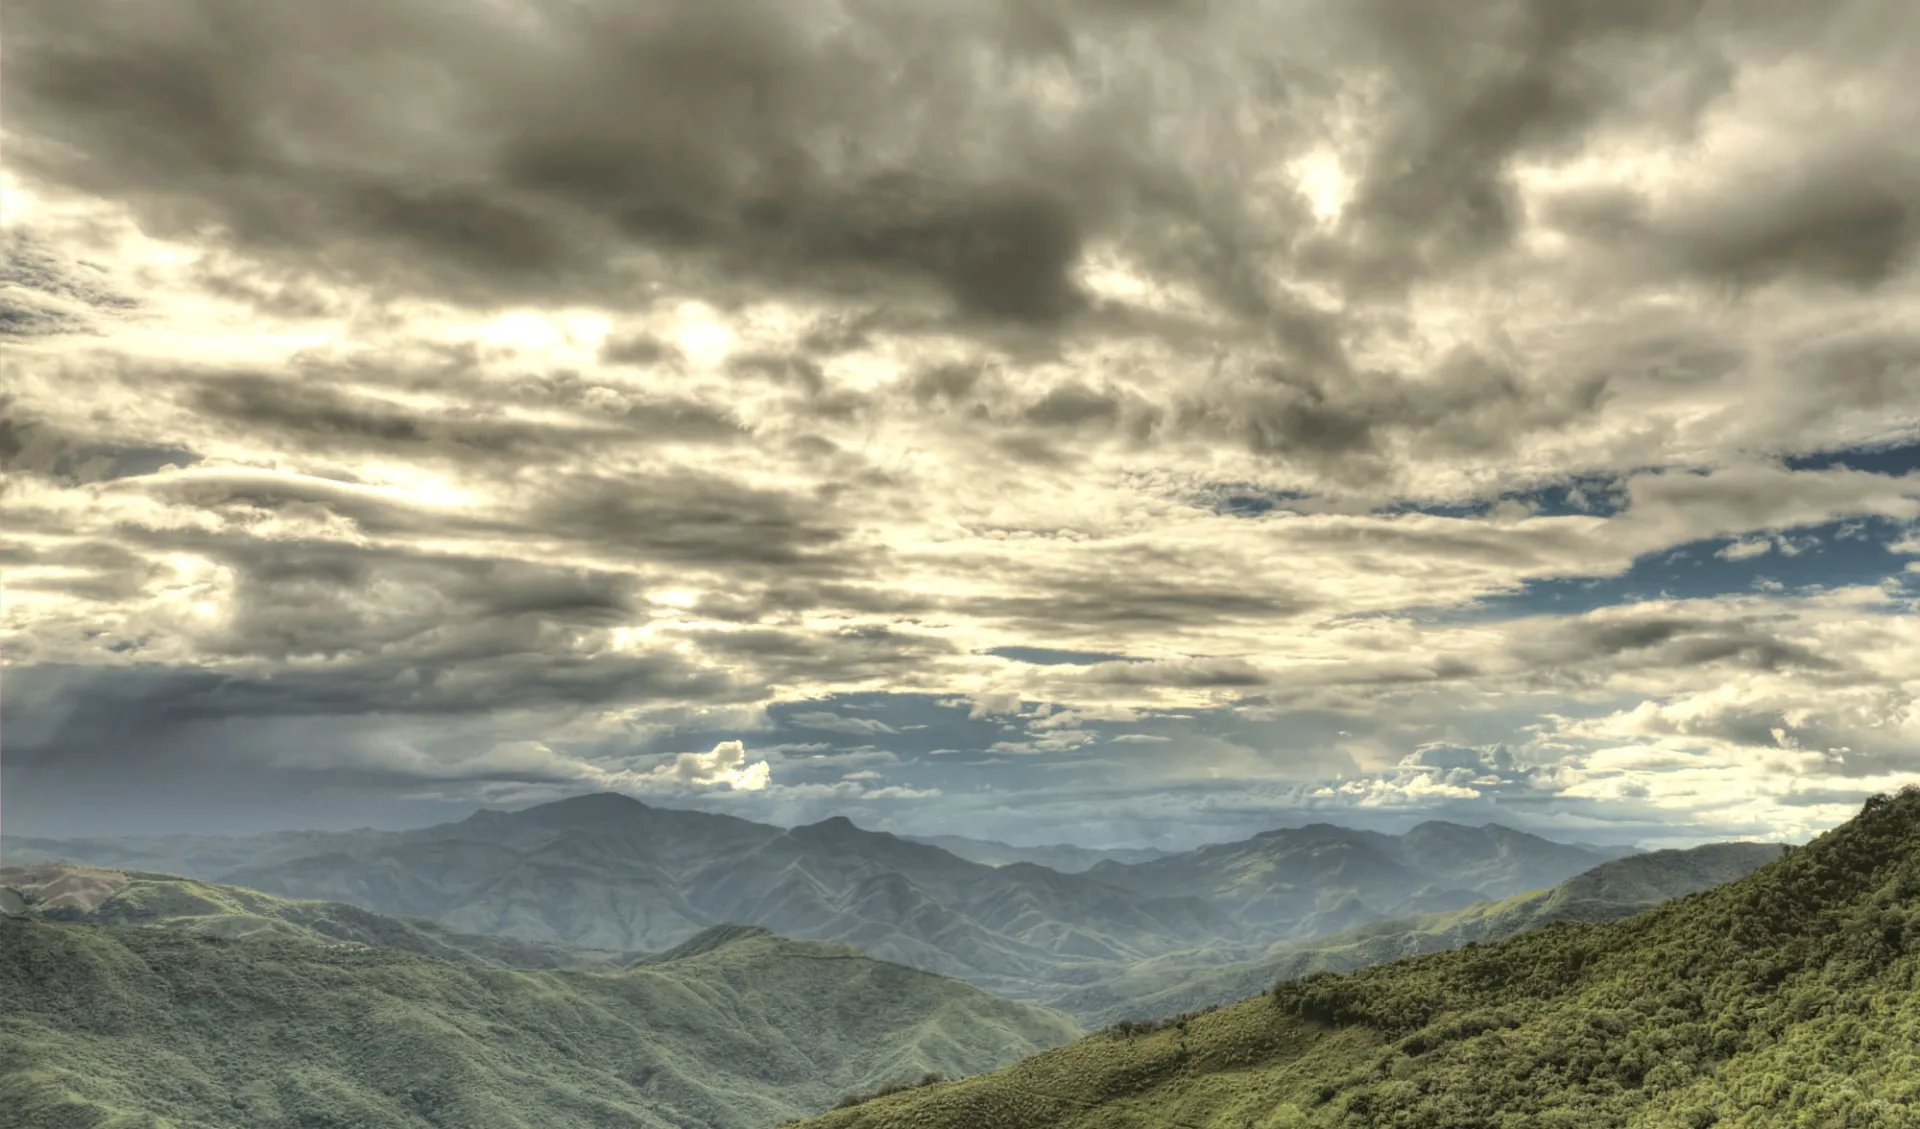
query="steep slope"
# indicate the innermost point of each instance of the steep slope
(1179, 982)
(1321, 879)
(1790, 997)
(158, 1025)
(608, 872)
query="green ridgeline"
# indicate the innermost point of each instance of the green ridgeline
(1790, 997)
(177, 1003)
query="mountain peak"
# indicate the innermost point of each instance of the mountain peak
(594, 801)
(589, 807)
(838, 826)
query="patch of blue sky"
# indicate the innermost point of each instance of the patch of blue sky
(1894, 459)
(1833, 555)
(1243, 499)
(1598, 495)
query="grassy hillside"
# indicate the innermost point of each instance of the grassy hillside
(1788, 998)
(1178, 982)
(177, 1025)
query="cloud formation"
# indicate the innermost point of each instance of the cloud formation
(1233, 413)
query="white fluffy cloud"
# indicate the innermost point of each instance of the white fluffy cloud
(1365, 421)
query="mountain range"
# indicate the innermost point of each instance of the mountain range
(1066, 858)
(608, 872)
(134, 994)
(1319, 879)
(1789, 997)
(142, 999)
(1181, 982)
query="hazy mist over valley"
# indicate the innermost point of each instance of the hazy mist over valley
(1071, 564)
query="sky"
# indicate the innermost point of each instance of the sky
(1123, 422)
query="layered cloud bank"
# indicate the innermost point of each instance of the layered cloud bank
(1145, 420)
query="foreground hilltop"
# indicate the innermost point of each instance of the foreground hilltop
(148, 1000)
(1788, 998)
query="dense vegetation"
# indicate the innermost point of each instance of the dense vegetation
(245, 1016)
(1788, 998)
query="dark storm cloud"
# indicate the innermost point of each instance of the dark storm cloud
(107, 711)
(1484, 83)
(1469, 404)
(640, 350)
(1672, 641)
(1849, 217)
(342, 600)
(327, 415)
(749, 600)
(688, 126)
(1119, 600)
(703, 521)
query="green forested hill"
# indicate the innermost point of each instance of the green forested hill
(1178, 982)
(102, 896)
(188, 1023)
(1788, 998)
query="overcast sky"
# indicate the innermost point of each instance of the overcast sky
(1113, 421)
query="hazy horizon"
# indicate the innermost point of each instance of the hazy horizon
(1389, 824)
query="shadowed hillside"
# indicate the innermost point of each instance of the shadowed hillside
(1790, 997)
(250, 1016)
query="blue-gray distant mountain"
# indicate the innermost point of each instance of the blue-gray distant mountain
(1063, 857)
(611, 873)
(1179, 982)
(1321, 879)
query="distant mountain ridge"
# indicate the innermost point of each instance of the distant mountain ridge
(1063, 857)
(147, 999)
(1321, 878)
(608, 872)
(1167, 985)
(1783, 999)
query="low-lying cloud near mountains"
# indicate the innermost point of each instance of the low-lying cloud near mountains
(1144, 421)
